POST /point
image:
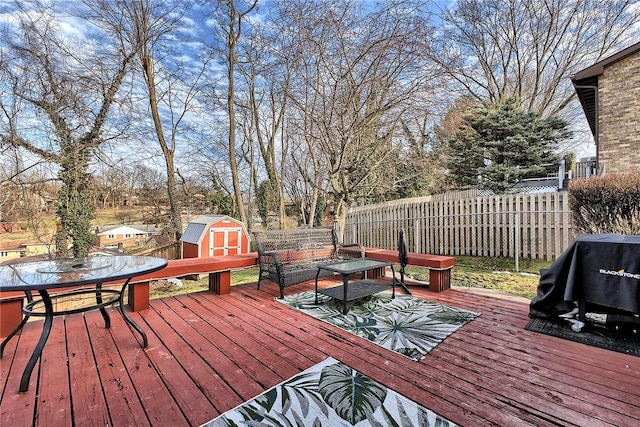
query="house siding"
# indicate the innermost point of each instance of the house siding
(116, 240)
(124, 236)
(619, 113)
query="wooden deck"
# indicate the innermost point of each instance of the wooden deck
(209, 353)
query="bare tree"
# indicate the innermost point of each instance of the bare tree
(150, 193)
(172, 87)
(25, 192)
(358, 73)
(67, 86)
(265, 67)
(112, 186)
(11, 170)
(496, 49)
(308, 183)
(233, 30)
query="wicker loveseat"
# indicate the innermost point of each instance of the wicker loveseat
(292, 256)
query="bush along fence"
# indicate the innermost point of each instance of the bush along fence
(519, 226)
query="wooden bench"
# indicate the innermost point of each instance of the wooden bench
(218, 268)
(10, 311)
(287, 257)
(439, 265)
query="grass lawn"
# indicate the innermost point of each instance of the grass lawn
(492, 273)
(476, 272)
(165, 288)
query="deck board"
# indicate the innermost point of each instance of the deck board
(208, 353)
(120, 396)
(393, 370)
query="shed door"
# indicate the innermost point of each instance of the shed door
(225, 241)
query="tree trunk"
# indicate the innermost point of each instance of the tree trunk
(233, 161)
(74, 208)
(341, 209)
(175, 220)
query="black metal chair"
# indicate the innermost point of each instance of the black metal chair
(403, 259)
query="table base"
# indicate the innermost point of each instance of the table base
(355, 290)
(358, 288)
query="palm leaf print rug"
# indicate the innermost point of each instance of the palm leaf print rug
(330, 394)
(404, 324)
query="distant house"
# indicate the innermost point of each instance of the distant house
(158, 240)
(13, 250)
(214, 235)
(9, 251)
(121, 236)
(609, 92)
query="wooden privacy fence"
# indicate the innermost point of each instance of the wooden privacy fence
(168, 251)
(528, 226)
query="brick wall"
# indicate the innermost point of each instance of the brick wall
(619, 116)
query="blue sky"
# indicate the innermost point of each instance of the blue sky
(194, 27)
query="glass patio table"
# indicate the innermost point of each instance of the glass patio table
(78, 278)
(350, 291)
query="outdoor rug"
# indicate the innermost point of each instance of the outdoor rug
(404, 324)
(622, 341)
(330, 394)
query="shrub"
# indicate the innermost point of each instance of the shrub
(606, 204)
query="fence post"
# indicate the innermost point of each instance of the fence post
(516, 236)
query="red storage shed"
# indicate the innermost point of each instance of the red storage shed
(214, 235)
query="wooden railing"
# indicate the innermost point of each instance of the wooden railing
(586, 168)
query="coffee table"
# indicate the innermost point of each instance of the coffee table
(350, 291)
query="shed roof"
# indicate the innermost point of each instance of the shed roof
(585, 83)
(211, 218)
(193, 233)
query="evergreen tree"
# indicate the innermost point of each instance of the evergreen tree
(222, 203)
(501, 145)
(465, 160)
